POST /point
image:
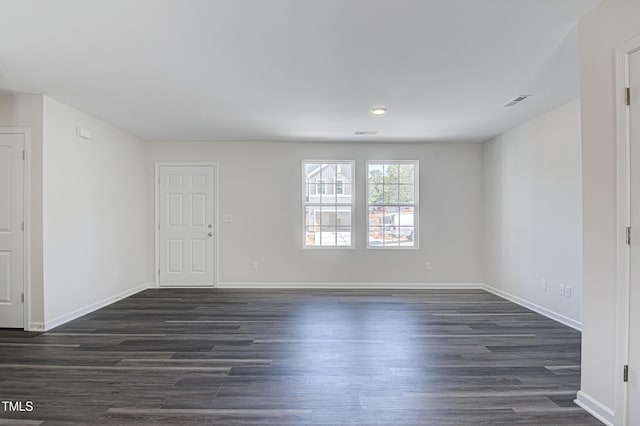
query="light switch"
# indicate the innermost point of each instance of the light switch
(227, 218)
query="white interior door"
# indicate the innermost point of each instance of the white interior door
(186, 228)
(633, 402)
(11, 230)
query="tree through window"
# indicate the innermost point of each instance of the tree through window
(392, 204)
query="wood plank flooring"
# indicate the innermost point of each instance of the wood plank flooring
(293, 357)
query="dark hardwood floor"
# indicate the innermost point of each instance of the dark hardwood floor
(198, 357)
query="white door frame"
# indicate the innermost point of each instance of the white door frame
(26, 237)
(215, 217)
(623, 220)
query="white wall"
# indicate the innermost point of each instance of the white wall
(95, 211)
(260, 186)
(20, 110)
(602, 30)
(533, 210)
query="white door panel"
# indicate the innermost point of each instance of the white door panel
(186, 233)
(633, 402)
(11, 232)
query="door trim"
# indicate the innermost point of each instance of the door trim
(26, 237)
(623, 193)
(156, 231)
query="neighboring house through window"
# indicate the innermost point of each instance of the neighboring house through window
(328, 203)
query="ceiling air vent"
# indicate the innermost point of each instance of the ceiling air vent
(516, 100)
(366, 132)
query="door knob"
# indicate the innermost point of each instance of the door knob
(210, 234)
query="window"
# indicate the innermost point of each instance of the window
(327, 203)
(392, 204)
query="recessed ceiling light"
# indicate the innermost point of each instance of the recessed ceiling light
(366, 132)
(379, 111)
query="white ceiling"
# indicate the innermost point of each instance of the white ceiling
(296, 70)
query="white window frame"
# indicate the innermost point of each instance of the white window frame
(415, 205)
(305, 203)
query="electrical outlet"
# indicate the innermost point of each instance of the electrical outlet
(567, 291)
(562, 289)
(427, 266)
(254, 265)
(543, 284)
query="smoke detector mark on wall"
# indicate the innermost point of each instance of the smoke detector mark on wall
(83, 133)
(517, 100)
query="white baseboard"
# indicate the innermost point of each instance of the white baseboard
(350, 286)
(569, 322)
(48, 325)
(594, 407)
(182, 286)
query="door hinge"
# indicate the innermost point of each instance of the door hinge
(22, 297)
(627, 96)
(23, 226)
(23, 154)
(628, 235)
(158, 180)
(625, 373)
(158, 226)
(158, 271)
